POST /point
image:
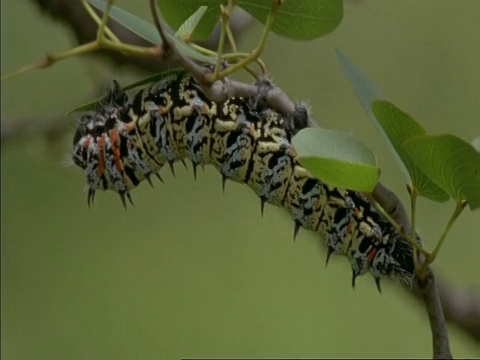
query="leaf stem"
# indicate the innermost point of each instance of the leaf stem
(128, 49)
(90, 47)
(460, 205)
(103, 24)
(413, 210)
(259, 62)
(230, 37)
(233, 44)
(99, 21)
(51, 59)
(261, 44)
(224, 15)
(413, 207)
(201, 49)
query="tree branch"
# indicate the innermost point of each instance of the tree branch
(429, 292)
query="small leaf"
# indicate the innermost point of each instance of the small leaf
(176, 13)
(299, 19)
(185, 31)
(137, 25)
(452, 163)
(476, 143)
(337, 159)
(91, 105)
(398, 127)
(367, 93)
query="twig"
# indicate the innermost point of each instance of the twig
(429, 293)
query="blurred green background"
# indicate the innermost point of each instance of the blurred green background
(192, 272)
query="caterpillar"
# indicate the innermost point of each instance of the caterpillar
(128, 139)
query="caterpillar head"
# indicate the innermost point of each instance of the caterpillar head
(96, 143)
(110, 109)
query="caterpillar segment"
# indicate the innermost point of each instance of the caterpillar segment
(126, 141)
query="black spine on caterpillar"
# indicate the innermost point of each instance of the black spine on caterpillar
(126, 141)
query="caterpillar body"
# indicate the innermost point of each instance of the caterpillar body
(127, 140)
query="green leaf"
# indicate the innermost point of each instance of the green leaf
(299, 19)
(186, 30)
(91, 105)
(452, 163)
(476, 143)
(337, 159)
(148, 31)
(135, 24)
(367, 93)
(398, 127)
(176, 13)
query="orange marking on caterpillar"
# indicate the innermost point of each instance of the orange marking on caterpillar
(349, 227)
(371, 255)
(86, 142)
(129, 127)
(101, 155)
(357, 213)
(114, 138)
